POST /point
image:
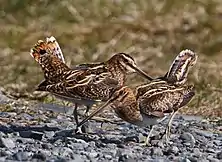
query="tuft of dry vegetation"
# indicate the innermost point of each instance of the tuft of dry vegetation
(153, 32)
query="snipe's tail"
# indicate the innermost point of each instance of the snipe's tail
(180, 67)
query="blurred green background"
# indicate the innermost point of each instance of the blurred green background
(153, 32)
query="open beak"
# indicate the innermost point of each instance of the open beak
(142, 73)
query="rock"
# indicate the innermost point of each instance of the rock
(193, 159)
(93, 154)
(39, 156)
(123, 158)
(31, 134)
(188, 138)
(173, 150)
(196, 152)
(2, 158)
(21, 156)
(66, 152)
(212, 159)
(64, 133)
(4, 99)
(49, 134)
(46, 146)
(132, 139)
(156, 152)
(185, 160)
(7, 142)
(108, 157)
(210, 150)
(206, 134)
(219, 155)
(217, 142)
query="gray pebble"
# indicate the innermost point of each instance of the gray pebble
(21, 156)
(210, 150)
(173, 150)
(109, 157)
(31, 134)
(188, 138)
(93, 154)
(212, 159)
(219, 155)
(196, 152)
(4, 99)
(193, 159)
(217, 142)
(206, 134)
(7, 142)
(156, 152)
(39, 156)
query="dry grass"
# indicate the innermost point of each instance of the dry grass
(151, 31)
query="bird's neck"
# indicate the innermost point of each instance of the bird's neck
(118, 72)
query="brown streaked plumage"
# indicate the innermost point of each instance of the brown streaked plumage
(149, 104)
(150, 108)
(87, 83)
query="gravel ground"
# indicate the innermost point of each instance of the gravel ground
(30, 133)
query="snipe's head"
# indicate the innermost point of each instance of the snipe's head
(127, 64)
(181, 65)
(39, 50)
(49, 47)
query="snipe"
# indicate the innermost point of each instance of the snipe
(153, 101)
(87, 83)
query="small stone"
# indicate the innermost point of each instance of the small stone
(64, 133)
(49, 134)
(196, 152)
(217, 142)
(45, 146)
(185, 160)
(132, 139)
(93, 154)
(65, 152)
(206, 134)
(7, 142)
(21, 156)
(174, 150)
(219, 155)
(212, 159)
(156, 151)
(2, 158)
(4, 99)
(39, 156)
(188, 138)
(123, 158)
(109, 157)
(210, 150)
(31, 134)
(193, 159)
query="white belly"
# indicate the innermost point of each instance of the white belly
(148, 121)
(73, 100)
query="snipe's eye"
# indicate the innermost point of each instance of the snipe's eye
(42, 51)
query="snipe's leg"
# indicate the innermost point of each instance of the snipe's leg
(87, 110)
(84, 128)
(75, 113)
(147, 140)
(168, 129)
